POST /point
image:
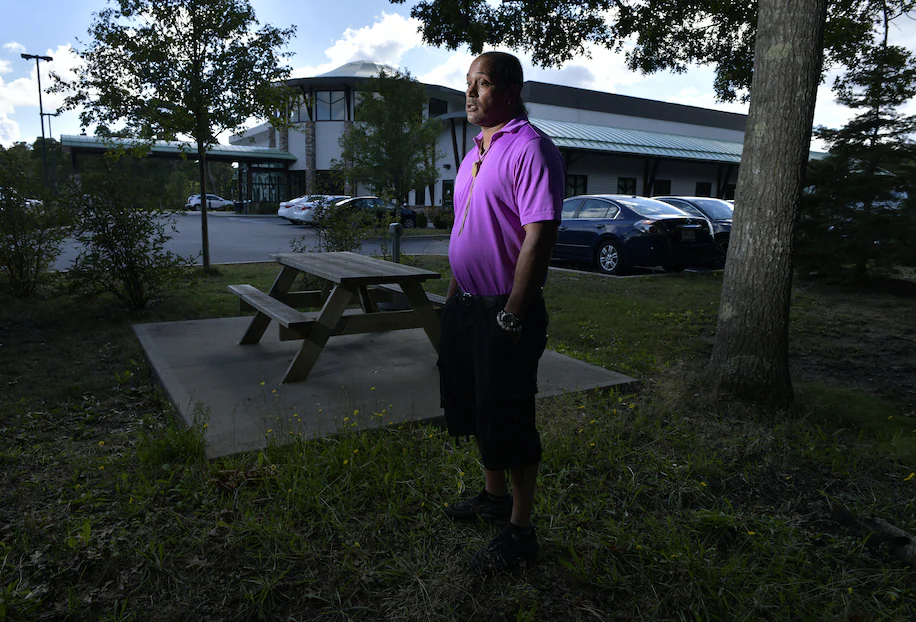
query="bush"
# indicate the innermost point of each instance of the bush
(422, 221)
(123, 242)
(443, 218)
(338, 230)
(265, 208)
(32, 227)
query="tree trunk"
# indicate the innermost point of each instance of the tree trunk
(204, 234)
(750, 358)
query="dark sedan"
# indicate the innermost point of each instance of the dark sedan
(384, 210)
(717, 211)
(614, 232)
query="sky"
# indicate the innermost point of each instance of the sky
(328, 36)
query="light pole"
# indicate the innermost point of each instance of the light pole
(41, 110)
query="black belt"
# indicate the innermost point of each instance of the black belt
(473, 300)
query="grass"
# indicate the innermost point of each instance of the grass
(663, 504)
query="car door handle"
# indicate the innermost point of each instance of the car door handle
(563, 228)
(599, 226)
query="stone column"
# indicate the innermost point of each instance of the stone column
(284, 139)
(271, 137)
(311, 175)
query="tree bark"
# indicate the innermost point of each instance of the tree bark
(204, 232)
(750, 358)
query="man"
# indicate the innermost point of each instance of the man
(508, 198)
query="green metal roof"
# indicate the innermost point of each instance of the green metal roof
(240, 153)
(605, 139)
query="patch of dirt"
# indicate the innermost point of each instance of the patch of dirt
(859, 337)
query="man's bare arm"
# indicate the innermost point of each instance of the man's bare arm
(533, 262)
(452, 287)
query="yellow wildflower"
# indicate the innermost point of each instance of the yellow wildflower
(909, 477)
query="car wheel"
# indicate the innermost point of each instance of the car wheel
(720, 253)
(409, 223)
(609, 259)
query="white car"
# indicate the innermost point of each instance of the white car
(286, 207)
(213, 202)
(304, 211)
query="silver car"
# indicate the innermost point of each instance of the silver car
(304, 212)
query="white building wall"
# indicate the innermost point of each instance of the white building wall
(592, 117)
(327, 133)
(297, 146)
(603, 172)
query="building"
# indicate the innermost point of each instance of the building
(611, 143)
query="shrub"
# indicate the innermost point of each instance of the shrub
(338, 229)
(123, 242)
(266, 207)
(32, 227)
(443, 218)
(422, 221)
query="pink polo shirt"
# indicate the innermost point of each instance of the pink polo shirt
(521, 180)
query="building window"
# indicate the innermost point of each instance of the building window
(576, 184)
(661, 187)
(419, 195)
(448, 191)
(437, 107)
(626, 185)
(729, 192)
(330, 106)
(296, 183)
(703, 189)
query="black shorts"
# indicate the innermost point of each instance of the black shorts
(487, 383)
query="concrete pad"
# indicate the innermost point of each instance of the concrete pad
(369, 380)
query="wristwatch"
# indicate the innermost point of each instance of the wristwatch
(509, 322)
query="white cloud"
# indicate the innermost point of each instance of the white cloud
(9, 130)
(451, 73)
(603, 71)
(23, 92)
(15, 48)
(5, 66)
(386, 41)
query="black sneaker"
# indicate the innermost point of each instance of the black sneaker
(508, 550)
(484, 506)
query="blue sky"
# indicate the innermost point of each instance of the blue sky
(330, 34)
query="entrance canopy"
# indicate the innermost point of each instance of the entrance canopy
(177, 149)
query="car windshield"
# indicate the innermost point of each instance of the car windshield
(716, 208)
(650, 207)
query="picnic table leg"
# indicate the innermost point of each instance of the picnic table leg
(318, 336)
(260, 322)
(364, 301)
(421, 305)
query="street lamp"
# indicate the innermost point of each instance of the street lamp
(44, 146)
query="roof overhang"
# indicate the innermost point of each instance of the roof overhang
(177, 149)
(603, 139)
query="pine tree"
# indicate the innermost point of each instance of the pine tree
(856, 220)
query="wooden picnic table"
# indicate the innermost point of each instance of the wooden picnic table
(347, 277)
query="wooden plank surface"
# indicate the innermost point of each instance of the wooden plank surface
(321, 330)
(436, 299)
(270, 306)
(353, 269)
(355, 322)
(428, 317)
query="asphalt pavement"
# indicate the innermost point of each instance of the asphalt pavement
(235, 238)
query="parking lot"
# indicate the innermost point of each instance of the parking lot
(235, 238)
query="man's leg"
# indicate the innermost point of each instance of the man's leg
(524, 480)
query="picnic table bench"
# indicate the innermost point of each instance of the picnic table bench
(348, 277)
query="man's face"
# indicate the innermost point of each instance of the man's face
(486, 103)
